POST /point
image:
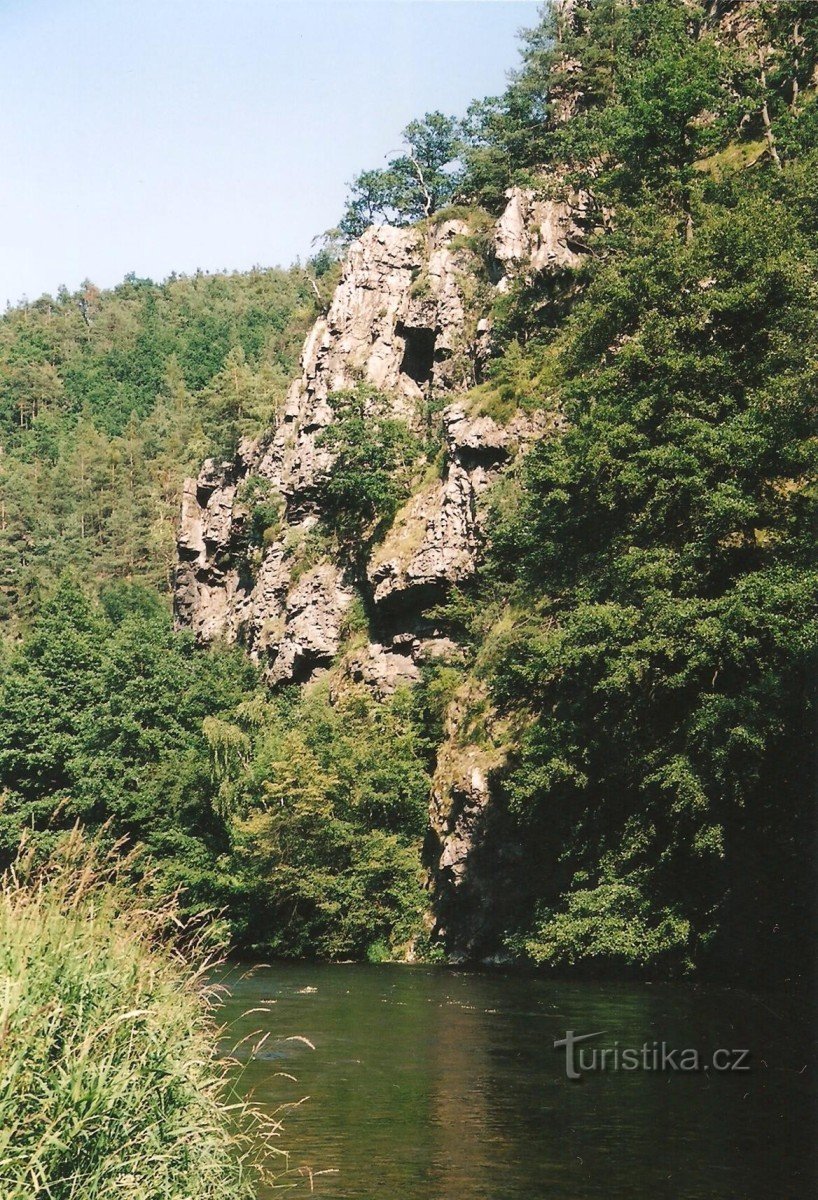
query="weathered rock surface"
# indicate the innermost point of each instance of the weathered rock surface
(399, 320)
(459, 813)
(383, 668)
(460, 790)
(458, 803)
(536, 234)
(435, 540)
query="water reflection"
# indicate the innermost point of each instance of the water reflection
(435, 1085)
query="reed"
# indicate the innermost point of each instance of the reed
(111, 1085)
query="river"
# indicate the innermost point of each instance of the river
(433, 1084)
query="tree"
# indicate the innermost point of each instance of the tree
(102, 712)
(665, 588)
(336, 803)
(412, 186)
(371, 471)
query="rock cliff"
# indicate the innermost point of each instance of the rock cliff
(410, 318)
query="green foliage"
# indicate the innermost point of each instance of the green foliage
(334, 808)
(110, 1084)
(109, 399)
(668, 98)
(613, 925)
(101, 720)
(265, 509)
(506, 136)
(303, 819)
(412, 186)
(373, 459)
(628, 96)
(661, 555)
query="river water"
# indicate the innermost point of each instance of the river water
(433, 1084)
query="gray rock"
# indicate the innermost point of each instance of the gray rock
(313, 615)
(399, 320)
(382, 668)
(435, 540)
(536, 234)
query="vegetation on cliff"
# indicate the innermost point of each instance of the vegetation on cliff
(660, 562)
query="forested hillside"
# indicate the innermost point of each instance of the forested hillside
(620, 662)
(109, 398)
(655, 636)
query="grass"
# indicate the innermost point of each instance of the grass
(737, 156)
(110, 1083)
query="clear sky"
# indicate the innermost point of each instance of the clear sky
(170, 135)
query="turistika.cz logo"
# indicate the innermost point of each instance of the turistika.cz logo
(650, 1056)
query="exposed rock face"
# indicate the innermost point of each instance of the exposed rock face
(313, 613)
(292, 625)
(397, 321)
(401, 321)
(458, 803)
(404, 320)
(384, 668)
(435, 540)
(459, 810)
(206, 589)
(536, 234)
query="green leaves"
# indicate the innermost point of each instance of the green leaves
(101, 719)
(304, 818)
(109, 399)
(335, 808)
(373, 456)
(660, 557)
(613, 925)
(412, 186)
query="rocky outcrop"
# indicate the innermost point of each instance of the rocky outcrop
(459, 815)
(383, 667)
(435, 540)
(403, 319)
(459, 800)
(537, 234)
(397, 322)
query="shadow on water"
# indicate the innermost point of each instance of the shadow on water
(430, 1084)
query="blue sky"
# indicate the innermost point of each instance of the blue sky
(162, 135)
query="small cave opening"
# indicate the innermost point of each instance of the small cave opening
(419, 352)
(306, 663)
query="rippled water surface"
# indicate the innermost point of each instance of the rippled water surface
(429, 1084)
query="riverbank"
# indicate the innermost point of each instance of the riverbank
(111, 1087)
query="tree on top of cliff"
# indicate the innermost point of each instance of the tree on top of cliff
(413, 185)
